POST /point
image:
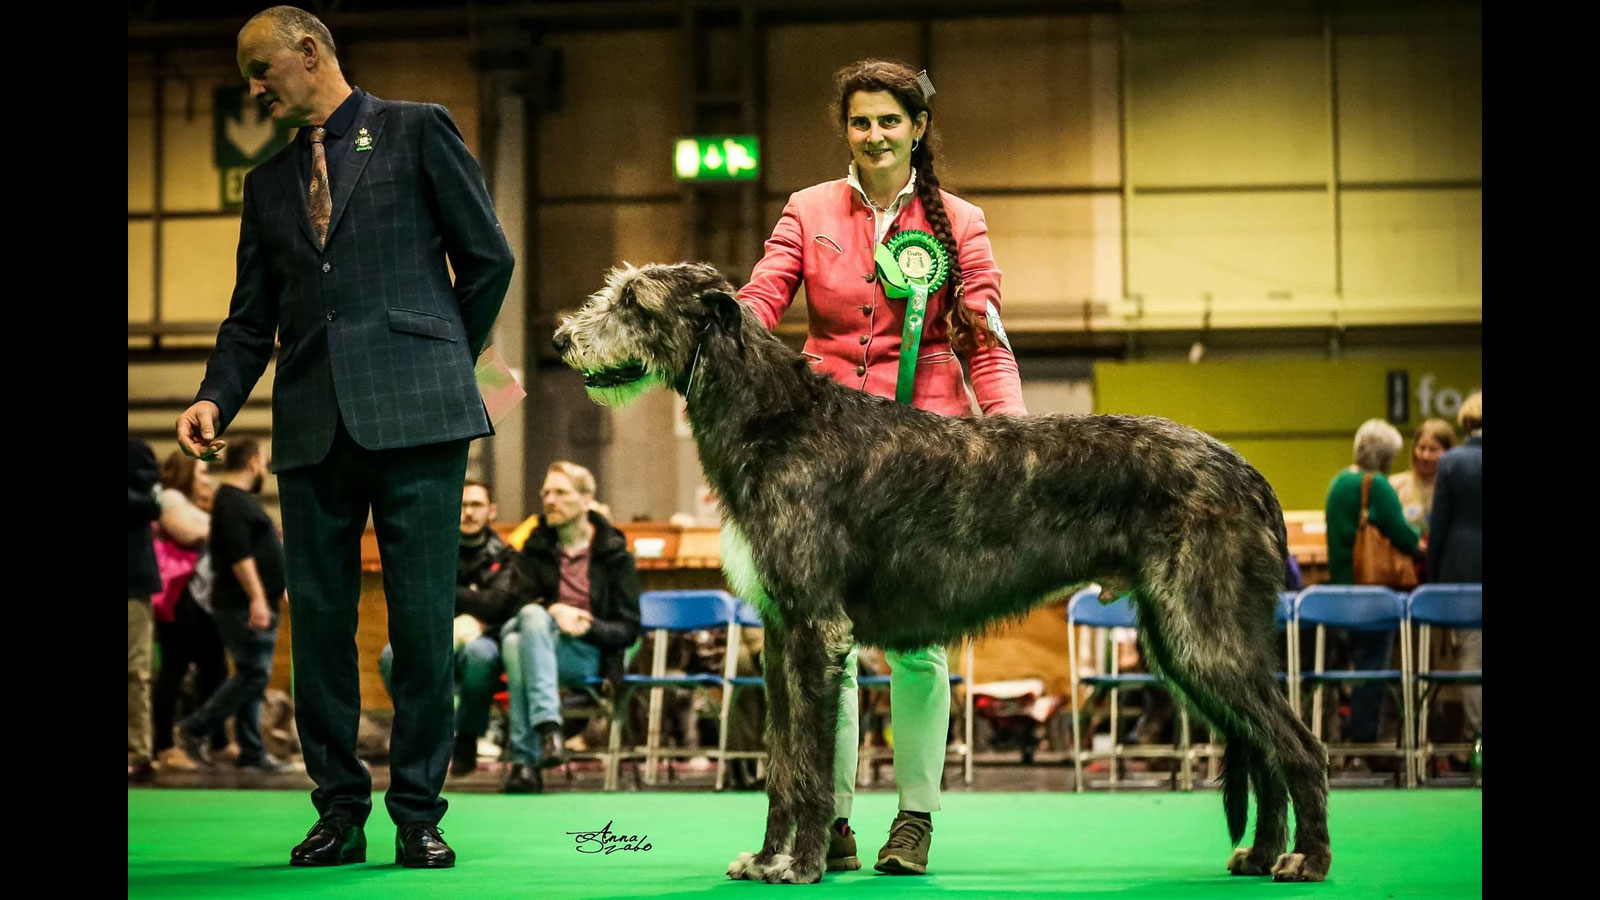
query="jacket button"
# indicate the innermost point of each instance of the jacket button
(861, 370)
(866, 310)
(327, 267)
(333, 314)
(864, 339)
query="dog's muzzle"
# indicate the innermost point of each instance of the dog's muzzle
(617, 377)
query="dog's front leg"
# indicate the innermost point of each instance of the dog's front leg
(780, 770)
(813, 652)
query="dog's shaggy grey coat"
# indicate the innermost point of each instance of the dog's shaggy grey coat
(850, 517)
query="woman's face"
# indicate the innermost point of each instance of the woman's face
(202, 492)
(1425, 456)
(880, 133)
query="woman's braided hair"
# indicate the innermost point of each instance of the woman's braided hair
(967, 330)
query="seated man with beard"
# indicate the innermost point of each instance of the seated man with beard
(584, 614)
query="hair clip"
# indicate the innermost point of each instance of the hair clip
(926, 84)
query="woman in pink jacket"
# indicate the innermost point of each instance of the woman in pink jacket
(830, 238)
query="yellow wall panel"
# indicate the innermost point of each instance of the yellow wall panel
(1410, 243)
(1052, 251)
(190, 179)
(1233, 245)
(579, 243)
(1015, 103)
(1411, 96)
(421, 71)
(1229, 102)
(198, 268)
(141, 145)
(614, 129)
(805, 141)
(141, 271)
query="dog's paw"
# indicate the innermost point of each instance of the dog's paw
(785, 870)
(1243, 863)
(745, 867)
(1301, 867)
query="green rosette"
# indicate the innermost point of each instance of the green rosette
(912, 265)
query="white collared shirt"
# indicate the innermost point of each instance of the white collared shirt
(882, 218)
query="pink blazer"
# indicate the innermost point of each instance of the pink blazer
(825, 241)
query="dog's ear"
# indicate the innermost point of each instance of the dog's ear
(726, 312)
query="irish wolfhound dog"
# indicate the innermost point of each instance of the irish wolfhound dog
(849, 517)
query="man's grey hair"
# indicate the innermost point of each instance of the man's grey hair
(290, 23)
(1377, 442)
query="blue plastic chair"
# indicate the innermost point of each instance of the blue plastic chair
(1086, 609)
(664, 613)
(1358, 608)
(1440, 606)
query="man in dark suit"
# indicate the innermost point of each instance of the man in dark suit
(342, 254)
(1455, 536)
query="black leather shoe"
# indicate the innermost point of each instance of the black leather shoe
(333, 841)
(524, 780)
(551, 752)
(419, 846)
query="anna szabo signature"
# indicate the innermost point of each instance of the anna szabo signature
(603, 841)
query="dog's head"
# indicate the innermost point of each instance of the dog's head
(640, 331)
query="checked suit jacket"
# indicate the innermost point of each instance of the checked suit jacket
(370, 327)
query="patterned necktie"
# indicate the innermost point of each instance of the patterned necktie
(319, 203)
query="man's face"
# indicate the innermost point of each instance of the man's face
(258, 468)
(476, 510)
(277, 75)
(562, 502)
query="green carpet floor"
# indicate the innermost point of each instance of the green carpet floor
(224, 844)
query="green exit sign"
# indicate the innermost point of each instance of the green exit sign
(726, 157)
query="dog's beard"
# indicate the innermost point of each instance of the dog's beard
(619, 395)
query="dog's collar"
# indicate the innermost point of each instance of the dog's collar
(699, 341)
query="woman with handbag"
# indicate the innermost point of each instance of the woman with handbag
(1369, 542)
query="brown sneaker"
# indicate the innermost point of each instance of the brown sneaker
(906, 853)
(842, 849)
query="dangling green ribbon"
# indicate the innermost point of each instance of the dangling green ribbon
(912, 265)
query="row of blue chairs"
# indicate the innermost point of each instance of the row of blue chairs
(663, 613)
(1355, 607)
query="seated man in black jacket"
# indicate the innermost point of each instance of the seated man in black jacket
(489, 589)
(584, 614)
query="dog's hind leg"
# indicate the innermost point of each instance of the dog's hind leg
(1243, 761)
(813, 654)
(1233, 688)
(780, 763)
(1305, 762)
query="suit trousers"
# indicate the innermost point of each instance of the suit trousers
(414, 497)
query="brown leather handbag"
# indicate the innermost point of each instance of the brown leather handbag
(1376, 559)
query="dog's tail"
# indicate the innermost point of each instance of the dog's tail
(1236, 768)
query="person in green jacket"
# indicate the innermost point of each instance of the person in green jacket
(1376, 444)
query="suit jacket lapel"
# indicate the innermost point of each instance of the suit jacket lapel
(288, 179)
(355, 159)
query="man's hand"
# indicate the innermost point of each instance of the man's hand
(197, 430)
(570, 619)
(260, 616)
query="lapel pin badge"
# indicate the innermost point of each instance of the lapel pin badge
(363, 140)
